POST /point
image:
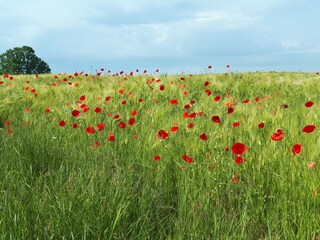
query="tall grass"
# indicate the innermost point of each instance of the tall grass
(57, 184)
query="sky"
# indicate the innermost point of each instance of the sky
(174, 36)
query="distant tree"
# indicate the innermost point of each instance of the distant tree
(22, 60)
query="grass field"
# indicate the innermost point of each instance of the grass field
(210, 156)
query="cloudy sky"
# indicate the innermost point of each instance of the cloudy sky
(173, 35)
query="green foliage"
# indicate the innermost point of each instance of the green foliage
(56, 184)
(22, 60)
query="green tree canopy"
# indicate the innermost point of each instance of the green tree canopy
(22, 60)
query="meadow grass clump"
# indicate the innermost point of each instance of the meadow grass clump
(211, 156)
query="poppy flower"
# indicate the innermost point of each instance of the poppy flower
(235, 178)
(124, 102)
(75, 113)
(131, 121)
(187, 106)
(173, 101)
(96, 144)
(261, 125)
(162, 134)
(90, 130)
(100, 126)
(97, 110)
(75, 125)
(309, 104)
(217, 98)
(296, 149)
(203, 137)
(206, 84)
(47, 110)
(156, 158)
(174, 129)
(133, 113)
(117, 116)
(246, 101)
(82, 98)
(122, 125)
(230, 110)
(209, 67)
(192, 115)
(121, 91)
(200, 114)
(308, 128)
(190, 125)
(108, 98)
(238, 160)
(236, 124)
(216, 119)
(62, 123)
(110, 137)
(239, 148)
(161, 87)
(226, 148)
(186, 158)
(278, 135)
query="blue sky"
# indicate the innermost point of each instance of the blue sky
(173, 35)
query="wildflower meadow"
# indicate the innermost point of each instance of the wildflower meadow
(145, 155)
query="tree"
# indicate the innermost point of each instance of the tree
(22, 60)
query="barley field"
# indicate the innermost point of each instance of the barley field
(152, 156)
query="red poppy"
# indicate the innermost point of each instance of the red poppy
(217, 98)
(121, 91)
(200, 114)
(239, 148)
(308, 128)
(133, 113)
(174, 129)
(296, 149)
(173, 101)
(108, 98)
(47, 110)
(117, 116)
(75, 113)
(122, 125)
(131, 121)
(156, 158)
(236, 124)
(206, 84)
(162, 134)
(278, 135)
(96, 144)
(192, 115)
(97, 110)
(190, 125)
(203, 137)
(209, 67)
(111, 137)
(186, 158)
(82, 98)
(230, 110)
(261, 125)
(124, 102)
(90, 130)
(309, 104)
(140, 100)
(100, 126)
(187, 106)
(161, 87)
(182, 78)
(216, 119)
(239, 160)
(245, 101)
(75, 125)
(226, 148)
(235, 178)
(62, 123)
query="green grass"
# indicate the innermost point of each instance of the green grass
(54, 184)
